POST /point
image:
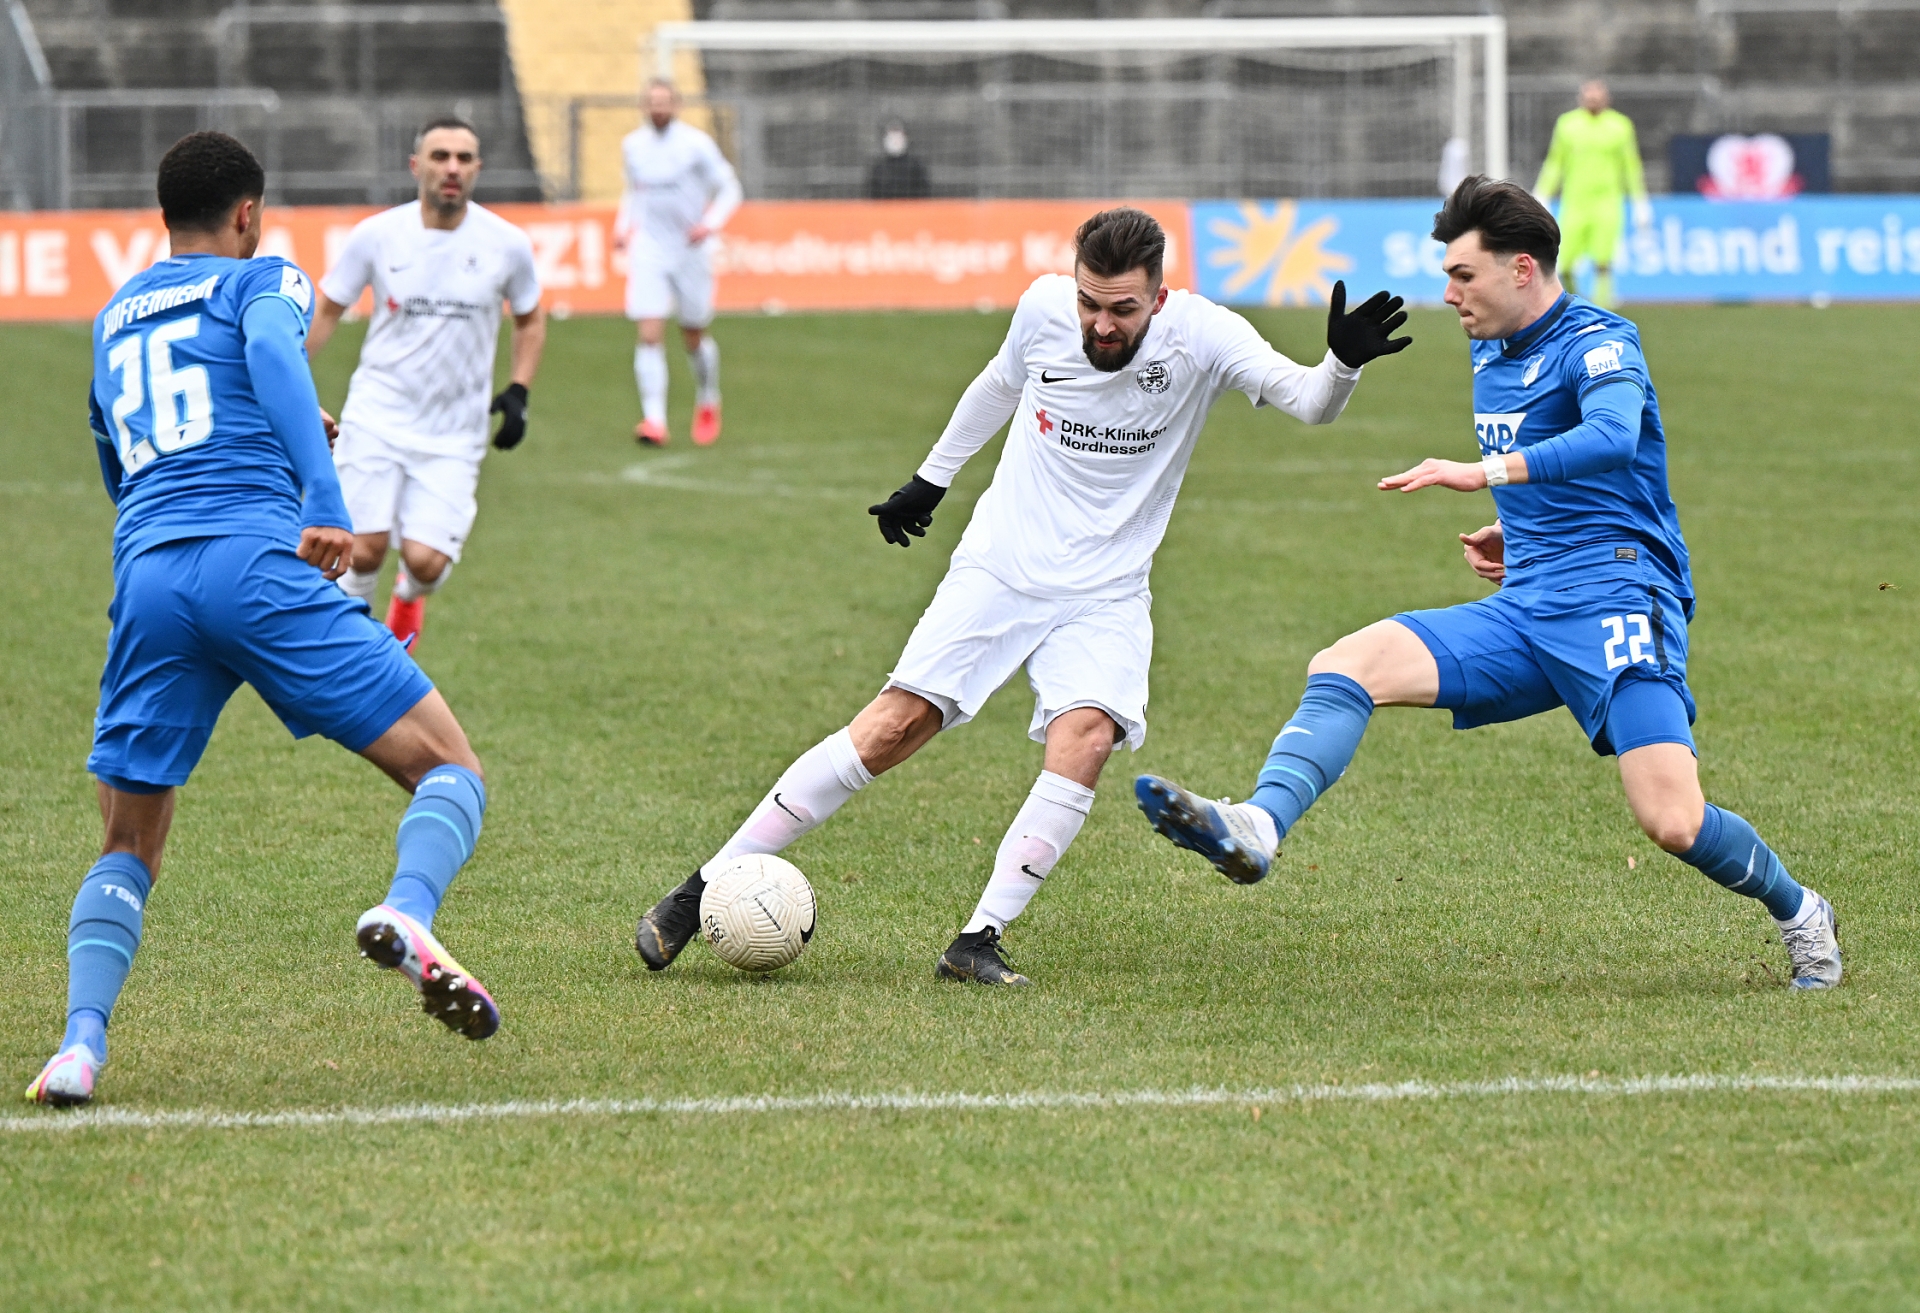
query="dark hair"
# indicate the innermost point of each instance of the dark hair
(1114, 242)
(1507, 217)
(446, 121)
(203, 177)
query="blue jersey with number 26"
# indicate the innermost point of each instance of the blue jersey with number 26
(1592, 509)
(173, 403)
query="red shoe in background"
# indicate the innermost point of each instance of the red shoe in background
(706, 424)
(405, 619)
(650, 433)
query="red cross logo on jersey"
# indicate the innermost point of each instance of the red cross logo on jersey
(392, 305)
(1046, 425)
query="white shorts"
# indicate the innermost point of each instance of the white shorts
(977, 632)
(407, 494)
(663, 286)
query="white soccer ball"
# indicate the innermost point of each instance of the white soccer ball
(758, 912)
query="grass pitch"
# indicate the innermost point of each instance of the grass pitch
(638, 642)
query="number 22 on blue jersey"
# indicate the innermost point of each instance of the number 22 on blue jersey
(161, 409)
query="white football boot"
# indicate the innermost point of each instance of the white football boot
(449, 994)
(1813, 946)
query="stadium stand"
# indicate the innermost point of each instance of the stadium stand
(330, 94)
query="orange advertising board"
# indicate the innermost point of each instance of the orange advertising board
(774, 255)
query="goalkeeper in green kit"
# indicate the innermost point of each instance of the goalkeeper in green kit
(1594, 165)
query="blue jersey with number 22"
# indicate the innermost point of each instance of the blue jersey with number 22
(1596, 504)
(186, 447)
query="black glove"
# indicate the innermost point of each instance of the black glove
(1362, 336)
(908, 511)
(512, 405)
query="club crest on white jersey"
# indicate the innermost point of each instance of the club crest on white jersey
(1498, 433)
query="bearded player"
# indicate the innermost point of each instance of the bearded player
(1108, 378)
(680, 193)
(1594, 587)
(229, 525)
(414, 428)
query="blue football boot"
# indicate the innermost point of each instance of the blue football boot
(1228, 834)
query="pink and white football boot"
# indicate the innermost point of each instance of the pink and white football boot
(390, 938)
(68, 1078)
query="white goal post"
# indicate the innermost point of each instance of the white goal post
(1452, 39)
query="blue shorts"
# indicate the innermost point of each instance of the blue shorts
(1526, 650)
(193, 620)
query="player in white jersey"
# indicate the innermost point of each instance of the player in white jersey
(1108, 378)
(680, 192)
(414, 428)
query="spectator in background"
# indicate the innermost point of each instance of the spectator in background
(1594, 165)
(897, 173)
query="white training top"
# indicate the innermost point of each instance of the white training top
(425, 377)
(1093, 461)
(675, 179)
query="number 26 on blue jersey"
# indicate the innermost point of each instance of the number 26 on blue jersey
(160, 409)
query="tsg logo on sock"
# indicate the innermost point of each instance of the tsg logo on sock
(124, 894)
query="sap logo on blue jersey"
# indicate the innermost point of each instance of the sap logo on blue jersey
(1604, 359)
(1498, 433)
(1533, 370)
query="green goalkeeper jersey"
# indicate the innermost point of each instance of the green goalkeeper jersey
(1594, 160)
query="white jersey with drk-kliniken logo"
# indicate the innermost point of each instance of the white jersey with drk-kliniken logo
(425, 377)
(1093, 461)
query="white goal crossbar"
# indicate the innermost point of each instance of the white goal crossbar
(1458, 34)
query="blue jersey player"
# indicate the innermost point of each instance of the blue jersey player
(230, 526)
(1595, 593)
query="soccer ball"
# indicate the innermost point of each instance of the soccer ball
(758, 913)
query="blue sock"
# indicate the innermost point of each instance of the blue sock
(1729, 853)
(435, 839)
(1314, 748)
(103, 934)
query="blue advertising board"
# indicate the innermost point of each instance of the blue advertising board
(1809, 248)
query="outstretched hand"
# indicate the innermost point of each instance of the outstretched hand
(1458, 475)
(1366, 333)
(908, 511)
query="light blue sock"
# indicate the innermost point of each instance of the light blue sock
(1314, 748)
(103, 934)
(435, 839)
(1729, 853)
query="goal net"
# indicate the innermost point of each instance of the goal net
(1167, 108)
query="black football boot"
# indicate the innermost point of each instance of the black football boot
(977, 957)
(671, 925)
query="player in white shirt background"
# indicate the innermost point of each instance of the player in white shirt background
(1108, 378)
(680, 192)
(414, 429)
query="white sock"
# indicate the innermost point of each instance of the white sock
(810, 790)
(355, 583)
(705, 364)
(650, 372)
(1263, 824)
(1039, 835)
(409, 589)
(1809, 904)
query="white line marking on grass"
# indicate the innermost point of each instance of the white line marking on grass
(193, 1119)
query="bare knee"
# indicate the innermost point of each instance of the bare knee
(653, 332)
(692, 338)
(892, 728)
(1673, 829)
